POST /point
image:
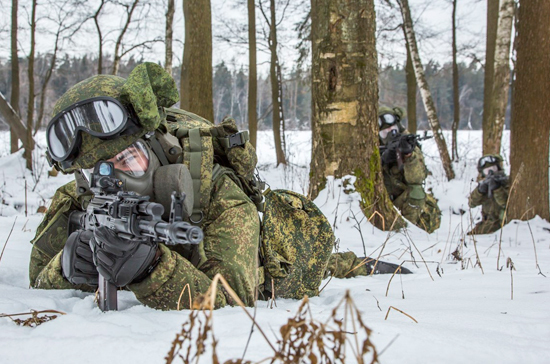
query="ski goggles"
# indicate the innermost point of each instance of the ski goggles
(102, 117)
(391, 130)
(488, 159)
(387, 119)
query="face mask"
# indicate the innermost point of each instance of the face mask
(391, 131)
(489, 170)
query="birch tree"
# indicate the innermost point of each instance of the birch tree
(15, 73)
(492, 136)
(170, 11)
(425, 91)
(30, 104)
(456, 98)
(252, 73)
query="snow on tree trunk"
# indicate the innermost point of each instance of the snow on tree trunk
(425, 90)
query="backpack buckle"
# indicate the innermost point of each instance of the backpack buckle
(238, 139)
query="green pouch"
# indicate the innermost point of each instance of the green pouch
(297, 241)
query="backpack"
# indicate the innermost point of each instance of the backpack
(296, 238)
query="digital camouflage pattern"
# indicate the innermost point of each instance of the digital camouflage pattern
(297, 241)
(492, 208)
(407, 193)
(346, 265)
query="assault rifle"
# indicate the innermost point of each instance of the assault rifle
(130, 215)
(493, 181)
(399, 146)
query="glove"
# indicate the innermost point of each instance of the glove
(76, 260)
(122, 261)
(407, 144)
(493, 183)
(483, 186)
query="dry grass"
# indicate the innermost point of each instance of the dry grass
(35, 318)
(303, 339)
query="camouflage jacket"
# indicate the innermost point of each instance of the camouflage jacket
(492, 208)
(230, 247)
(400, 182)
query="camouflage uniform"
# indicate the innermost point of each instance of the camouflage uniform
(493, 206)
(233, 255)
(405, 185)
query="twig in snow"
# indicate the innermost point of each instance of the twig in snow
(510, 264)
(6, 243)
(398, 310)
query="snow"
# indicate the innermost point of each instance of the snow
(463, 313)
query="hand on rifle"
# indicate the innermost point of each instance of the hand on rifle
(76, 260)
(492, 182)
(122, 261)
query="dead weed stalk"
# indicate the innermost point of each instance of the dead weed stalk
(302, 338)
(35, 318)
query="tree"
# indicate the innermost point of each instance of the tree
(252, 73)
(196, 70)
(344, 103)
(30, 105)
(171, 9)
(14, 97)
(530, 127)
(130, 8)
(490, 44)
(276, 83)
(456, 90)
(411, 93)
(425, 90)
(495, 122)
(95, 17)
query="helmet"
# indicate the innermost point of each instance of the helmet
(488, 163)
(140, 99)
(389, 122)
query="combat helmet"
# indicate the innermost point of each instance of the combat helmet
(101, 116)
(487, 161)
(389, 122)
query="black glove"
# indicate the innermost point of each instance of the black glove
(407, 144)
(493, 183)
(76, 260)
(483, 186)
(121, 261)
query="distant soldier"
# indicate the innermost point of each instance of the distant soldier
(404, 171)
(491, 193)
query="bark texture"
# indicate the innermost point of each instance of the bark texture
(252, 74)
(530, 130)
(490, 44)
(170, 10)
(456, 90)
(492, 137)
(344, 99)
(15, 83)
(196, 73)
(276, 89)
(411, 93)
(425, 90)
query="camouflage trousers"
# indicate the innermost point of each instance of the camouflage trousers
(424, 213)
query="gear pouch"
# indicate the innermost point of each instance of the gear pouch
(297, 241)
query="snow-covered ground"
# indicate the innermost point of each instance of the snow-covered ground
(464, 313)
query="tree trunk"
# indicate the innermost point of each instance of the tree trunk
(344, 98)
(530, 130)
(15, 83)
(276, 92)
(252, 74)
(490, 44)
(100, 38)
(196, 75)
(501, 80)
(425, 90)
(411, 92)
(118, 44)
(30, 105)
(169, 36)
(47, 77)
(456, 98)
(14, 121)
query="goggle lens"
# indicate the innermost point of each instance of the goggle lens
(388, 119)
(98, 117)
(487, 160)
(133, 160)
